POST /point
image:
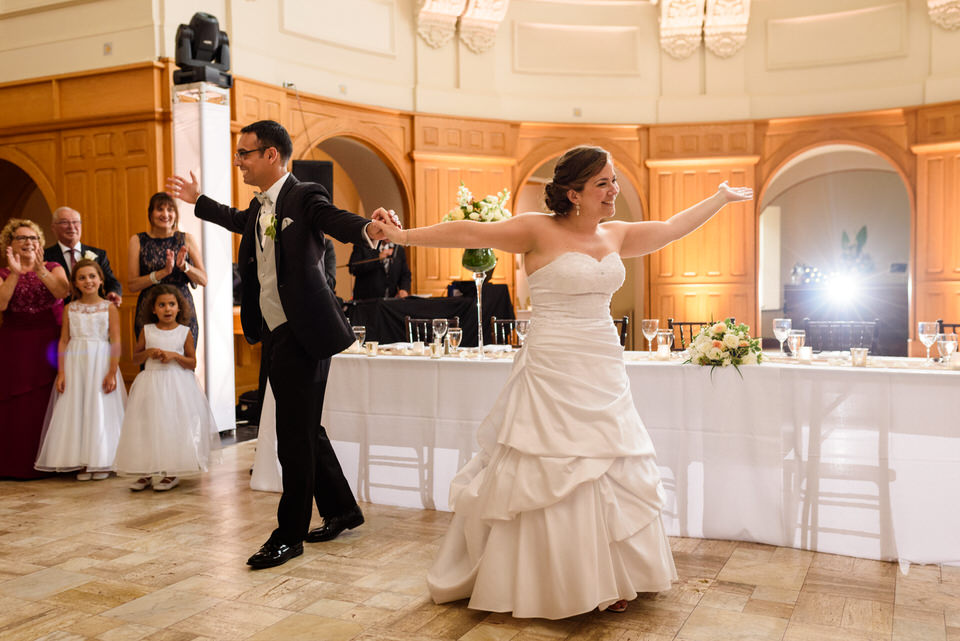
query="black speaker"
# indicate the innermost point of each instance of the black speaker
(315, 171)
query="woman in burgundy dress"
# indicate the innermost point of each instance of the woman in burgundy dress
(31, 299)
(164, 255)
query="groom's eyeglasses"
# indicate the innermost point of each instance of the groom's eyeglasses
(243, 153)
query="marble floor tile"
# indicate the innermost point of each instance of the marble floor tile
(80, 562)
(709, 624)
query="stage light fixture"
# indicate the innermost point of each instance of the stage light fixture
(203, 52)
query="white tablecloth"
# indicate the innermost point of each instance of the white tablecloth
(864, 462)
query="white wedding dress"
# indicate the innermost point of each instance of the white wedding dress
(559, 513)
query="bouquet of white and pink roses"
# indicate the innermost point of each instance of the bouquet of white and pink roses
(724, 343)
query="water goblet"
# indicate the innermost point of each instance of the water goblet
(781, 329)
(927, 333)
(454, 334)
(649, 327)
(795, 340)
(946, 345)
(521, 326)
(360, 333)
(440, 326)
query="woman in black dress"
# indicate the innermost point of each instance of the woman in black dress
(165, 255)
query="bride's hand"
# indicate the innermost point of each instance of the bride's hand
(734, 194)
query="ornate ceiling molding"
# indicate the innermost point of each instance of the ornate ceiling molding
(725, 27)
(945, 13)
(480, 22)
(681, 26)
(437, 20)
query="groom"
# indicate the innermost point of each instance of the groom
(287, 304)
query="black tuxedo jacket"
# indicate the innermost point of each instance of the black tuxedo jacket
(372, 281)
(304, 214)
(110, 283)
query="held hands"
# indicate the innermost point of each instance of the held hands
(734, 194)
(185, 190)
(384, 222)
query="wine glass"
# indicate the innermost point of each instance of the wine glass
(521, 326)
(360, 332)
(781, 329)
(946, 345)
(795, 340)
(454, 334)
(649, 327)
(927, 333)
(440, 326)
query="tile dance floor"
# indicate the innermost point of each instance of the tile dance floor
(92, 560)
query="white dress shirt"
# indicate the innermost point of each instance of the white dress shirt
(270, 306)
(66, 255)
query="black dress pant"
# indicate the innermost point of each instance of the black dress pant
(310, 467)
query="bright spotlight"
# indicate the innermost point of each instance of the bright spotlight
(843, 289)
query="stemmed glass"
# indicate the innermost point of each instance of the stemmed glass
(440, 326)
(454, 334)
(781, 329)
(521, 326)
(927, 333)
(795, 340)
(360, 333)
(946, 345)
(649, 327)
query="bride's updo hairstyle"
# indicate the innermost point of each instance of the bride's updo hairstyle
(573, 171)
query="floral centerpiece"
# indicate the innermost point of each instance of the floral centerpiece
(486, 210)
(724, 343)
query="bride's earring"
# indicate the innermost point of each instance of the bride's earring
(578, 209)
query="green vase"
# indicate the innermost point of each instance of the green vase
(479, 260)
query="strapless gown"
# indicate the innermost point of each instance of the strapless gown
(559, 512)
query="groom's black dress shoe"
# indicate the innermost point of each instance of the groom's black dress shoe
(333, 526)
(274, 553)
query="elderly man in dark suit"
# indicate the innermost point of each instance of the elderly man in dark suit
(67, 227)
(288, 304)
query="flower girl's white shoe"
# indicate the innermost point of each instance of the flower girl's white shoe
(140, 484)
(166, 483)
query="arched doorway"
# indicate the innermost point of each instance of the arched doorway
(22, 198)
(834, 243)
(362, 181)
(629, 299)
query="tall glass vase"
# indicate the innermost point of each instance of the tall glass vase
(479, 261)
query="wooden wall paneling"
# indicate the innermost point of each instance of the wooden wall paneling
(723, 251)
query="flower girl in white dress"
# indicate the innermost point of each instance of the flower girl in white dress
(559, 513)
(168, 430)
(86, 405)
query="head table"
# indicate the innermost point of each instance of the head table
(856, 461)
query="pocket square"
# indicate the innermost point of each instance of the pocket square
(286, 222)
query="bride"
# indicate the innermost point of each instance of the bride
(559, 512)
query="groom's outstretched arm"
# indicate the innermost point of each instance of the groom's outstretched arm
(207, 208)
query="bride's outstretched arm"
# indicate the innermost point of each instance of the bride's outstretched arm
(516, 235)
(649, 236)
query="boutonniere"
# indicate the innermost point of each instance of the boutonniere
(271, 229)
(89, 255)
